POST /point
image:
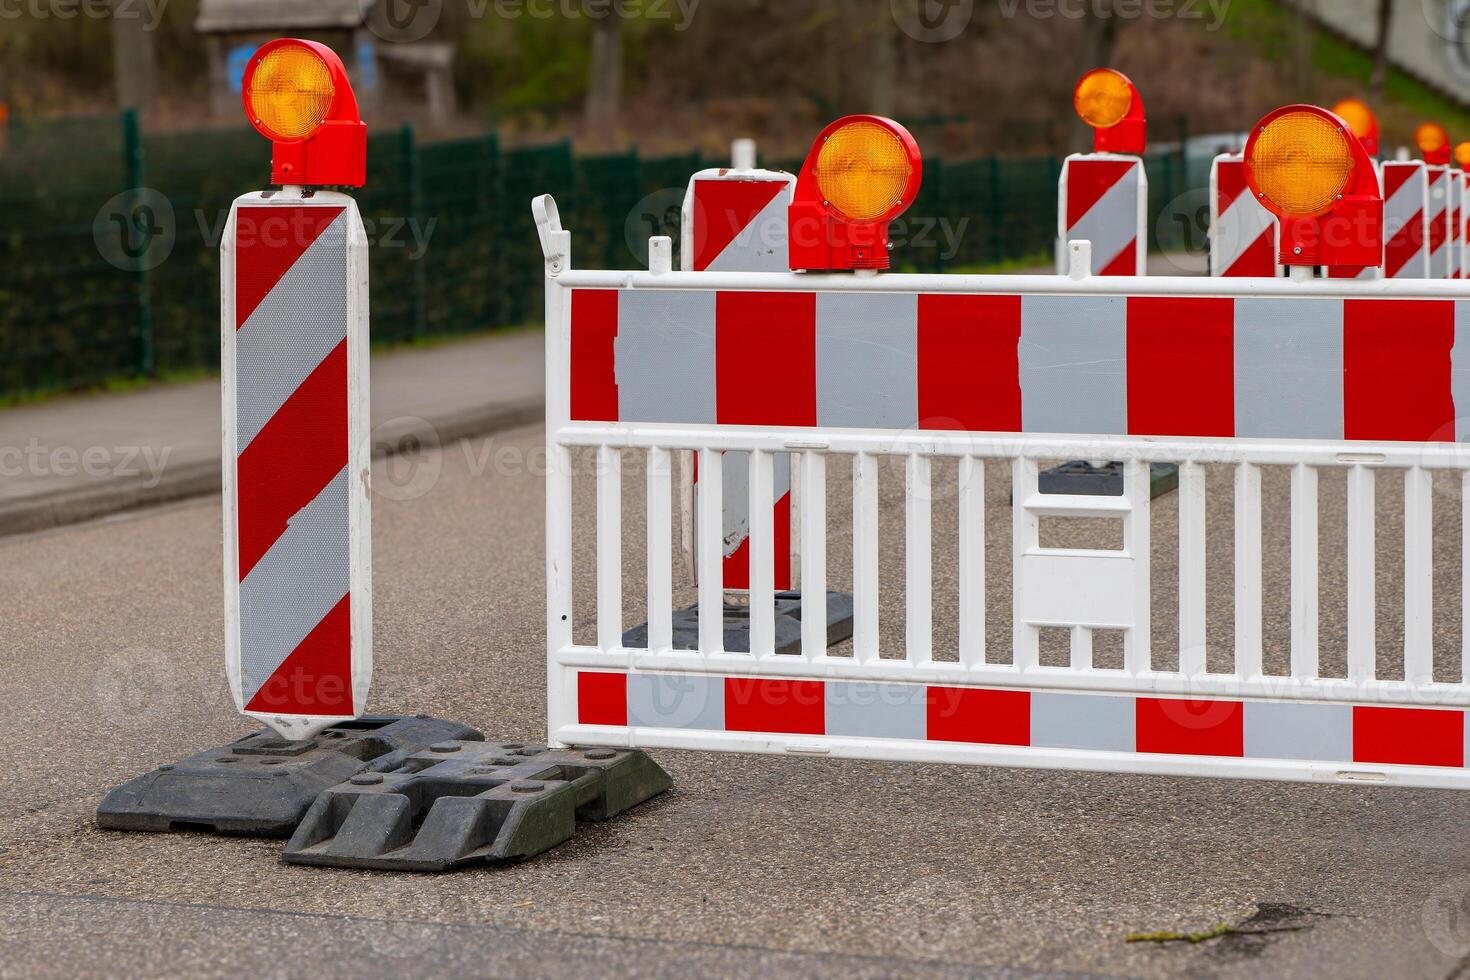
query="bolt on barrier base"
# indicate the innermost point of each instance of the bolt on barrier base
(461, 803)
(737, 625)
(262, 785)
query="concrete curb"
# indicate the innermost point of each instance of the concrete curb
(185, 481)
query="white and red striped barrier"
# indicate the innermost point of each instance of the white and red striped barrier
(294, 343)
(1103, 199)
(1358, 378)
(1440, 222)
(735, 220)
(1406, 220)
(1245, 238)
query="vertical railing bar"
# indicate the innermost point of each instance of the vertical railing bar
(1304, 601)
(1247, 570)
(972, 561)
(710, 552)
(1465, 577)
(1025, 535)
(813, 537)
(609, 548)
(1081, 658)
(660, 551)
(865, 557)
(762, 555)
(1418, 576)
(918, 561)
(1192, 634)
(1362, 563)
(1137, 643)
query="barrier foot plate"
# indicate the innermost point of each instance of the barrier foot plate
(464, 803)
(737, 625)
(1082, 479)
(262, 785)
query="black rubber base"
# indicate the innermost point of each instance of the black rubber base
(463, 803)
(737, 625)
(1082, 479)
(262, 785)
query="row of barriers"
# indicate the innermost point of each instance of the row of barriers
(1326, 378)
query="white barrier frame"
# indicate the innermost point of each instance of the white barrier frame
(1306, 457)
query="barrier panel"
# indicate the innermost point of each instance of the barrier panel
(1356, 377)
(1440, 222)
(1103, 199)
(1406, 219)
(1245, 238)
(294, 356)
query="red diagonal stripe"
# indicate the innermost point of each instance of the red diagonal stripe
(723, 209)
(299, 451)
(1259, 260)
(1088, 181)
(1403, 246)
(1126, 264)
(1230, 183)
(268, 242)
(1394, 178)
(316, 679)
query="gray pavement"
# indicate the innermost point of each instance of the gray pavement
(72, 459)
(752, 865)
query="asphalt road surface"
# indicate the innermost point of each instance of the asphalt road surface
(110, 635)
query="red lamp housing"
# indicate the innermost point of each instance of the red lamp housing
(861, 173)
(297, 95)
(1305, 165)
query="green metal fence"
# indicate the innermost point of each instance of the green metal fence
(109, 235)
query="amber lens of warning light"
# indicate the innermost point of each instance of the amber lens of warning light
(1103, 98)
(1301, 163)
(863, 170)
(1358, 116)
(1431, 138)
(291, 92)
(1462, 156)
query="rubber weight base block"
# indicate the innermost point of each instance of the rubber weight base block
(789, 607)
(262, 785)
(465, 803)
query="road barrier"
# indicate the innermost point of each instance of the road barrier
(1310, 375)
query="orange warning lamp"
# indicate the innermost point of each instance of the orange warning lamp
(861, 173)
(297, 95)
(1362, 121)
(1434, 143)
(1107, 101)
(1462, 156)
(1306, 166)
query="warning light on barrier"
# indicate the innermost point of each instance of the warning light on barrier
(1306, 166)
(1109, 102)
(1434, 143)
(1362, 121)
(862, 172)
(1462, 156)
(297, 95)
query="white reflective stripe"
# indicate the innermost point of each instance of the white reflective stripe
(1112, 223)
(737, 495)
(301, 320)
(292, 588)
(1073, 364)
(868, 360)
(1240, 227)
(665, 356)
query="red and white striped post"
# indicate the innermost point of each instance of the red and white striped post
(296, 444)
(1405, 219)
(1245, 238)
(735, 220)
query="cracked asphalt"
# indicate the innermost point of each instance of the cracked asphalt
(111, 643)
